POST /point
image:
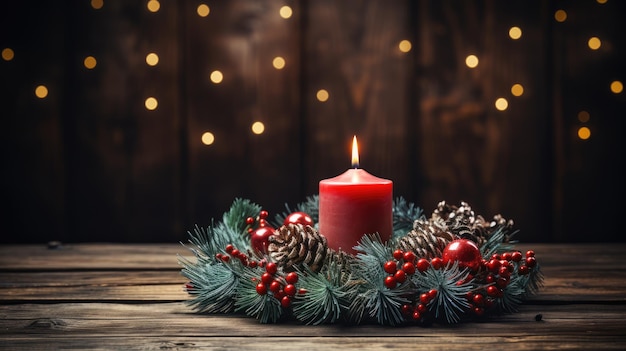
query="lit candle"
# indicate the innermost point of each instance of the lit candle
(353, 204)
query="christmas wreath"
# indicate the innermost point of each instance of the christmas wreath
(450, 267)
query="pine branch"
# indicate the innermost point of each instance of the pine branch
(383, 304)
(235, 218)
(265, 308)
(213, 286)
(326, 295)
(451, 301)
(404, 214)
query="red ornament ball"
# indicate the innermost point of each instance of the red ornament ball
(463, 251)
(259, 238)
(298, 218)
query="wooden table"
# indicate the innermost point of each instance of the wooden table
(130, 297)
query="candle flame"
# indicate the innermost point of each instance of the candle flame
(355, 153)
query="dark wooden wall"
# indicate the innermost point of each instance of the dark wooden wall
(91, 163)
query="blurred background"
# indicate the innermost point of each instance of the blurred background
(133, 121)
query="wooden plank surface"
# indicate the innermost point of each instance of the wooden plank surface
(130, 297)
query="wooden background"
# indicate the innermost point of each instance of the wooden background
(91, 163)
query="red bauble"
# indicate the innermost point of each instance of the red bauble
(463, 251)
(298, 218)
(259, 238)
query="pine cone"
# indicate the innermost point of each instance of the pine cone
(297, 244)
(427, 239)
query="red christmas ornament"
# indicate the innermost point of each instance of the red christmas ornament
(259, 237)
(298, 218)
(463, 251)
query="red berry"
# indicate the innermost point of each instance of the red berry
(416, 315)
(398, 254)
(493, 265)
(263, 214)
(390, 267)
(504, 271)
(432, 294)
(275, 286)
(292, 278)
(285, 301)
(267, 278)
(436, 262)
(234, 252)
(261, 289)
(302, 291)
(523, 270)
(506, 256)
(390, 282)
(422, 308)
(502, 282)
(406, 309)
(271, 268)
(490, 278)
(400, 276)
(530, 253)
(478, 300)
(422, 264)
(225, 258)
(408, 267)
(252, 264)
(249, 220)
(229, 248)
(531, 261)
(425, 298)
(479, 311)
(516, 256)
(290, 290)
(493, 290)
(408, 256)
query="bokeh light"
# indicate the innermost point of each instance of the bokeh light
(471, 61)
(8, 54)
(515, 33)
(152, 59)
(203, 10)
(278, 62)
(560, 15)
(517, 90)
(217, 77)
(617, 87)
(151, 103)
(208, 138)
(501, 104)
(322, 95)
(584, 133)
(594, 43)
(285, 12)
(90, 62)
(258, 127)
(41, 91)
(405, 46)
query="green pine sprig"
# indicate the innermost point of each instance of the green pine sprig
(212, 285)
(265, 308)
(383, 304)
(452, 287)
(404, 214)
(326, 297)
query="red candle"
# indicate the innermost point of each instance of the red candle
(353, 204)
